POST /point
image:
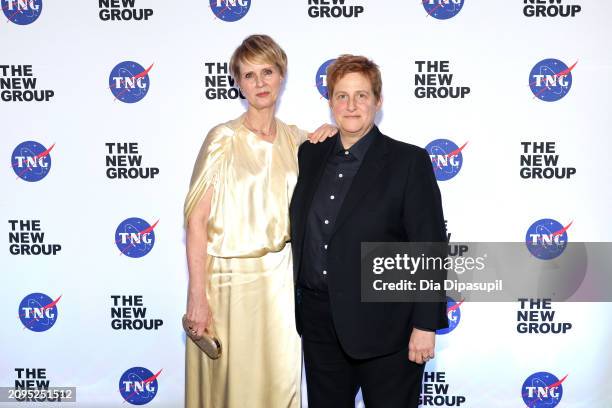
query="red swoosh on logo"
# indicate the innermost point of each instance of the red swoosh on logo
(562, 230)
(456, 151)
(455, 306)
(144, 73)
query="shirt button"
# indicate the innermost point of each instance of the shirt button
(340, 175)
(346, 152)
(326, 221)
(324, 272)
(332, 197)
(325, 246)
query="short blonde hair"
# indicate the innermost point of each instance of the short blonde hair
(258, 48)
(347, 64)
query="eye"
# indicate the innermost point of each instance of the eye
(267, 71)
(363, 95)
(248, 75)
(341, 97)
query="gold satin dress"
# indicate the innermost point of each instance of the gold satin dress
(250, 290)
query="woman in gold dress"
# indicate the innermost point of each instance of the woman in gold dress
(239, 259)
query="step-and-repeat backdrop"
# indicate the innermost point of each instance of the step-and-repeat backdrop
(105, 103)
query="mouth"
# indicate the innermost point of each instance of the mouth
(262, 94)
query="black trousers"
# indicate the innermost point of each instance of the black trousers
(333, 377)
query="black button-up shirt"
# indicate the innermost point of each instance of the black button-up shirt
(340, 169)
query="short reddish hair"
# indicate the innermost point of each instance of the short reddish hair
(347, 64)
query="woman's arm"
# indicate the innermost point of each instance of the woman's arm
(198, 311)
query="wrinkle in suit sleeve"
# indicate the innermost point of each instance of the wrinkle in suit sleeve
(424, 222)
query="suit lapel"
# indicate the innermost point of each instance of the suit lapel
(364, 180)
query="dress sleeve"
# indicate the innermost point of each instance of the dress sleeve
(298, 135)
(207, 167)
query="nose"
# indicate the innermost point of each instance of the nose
(258, 81)
(351, 104)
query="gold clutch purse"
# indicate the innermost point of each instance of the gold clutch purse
(211, 346)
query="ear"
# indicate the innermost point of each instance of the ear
(379, 103)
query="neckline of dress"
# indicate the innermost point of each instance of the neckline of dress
(259, 138)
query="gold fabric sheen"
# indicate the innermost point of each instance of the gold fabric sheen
(250, 290)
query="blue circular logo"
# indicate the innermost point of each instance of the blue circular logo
(138, 386)
(442, 9)
(31, 161)
(38, 312)
(321, 78)
(542, 390)
(454, 316)
(230, 10)
(546, 238)
(129, 81)
(135, 237)
(550, 79)
(22, 12)
(446, 158)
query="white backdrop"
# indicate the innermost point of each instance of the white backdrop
(491, 47)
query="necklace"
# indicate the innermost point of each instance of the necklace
(267, 134)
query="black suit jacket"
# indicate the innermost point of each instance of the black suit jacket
(394, 197)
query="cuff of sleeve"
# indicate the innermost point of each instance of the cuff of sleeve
(430, 316)
(424, 328)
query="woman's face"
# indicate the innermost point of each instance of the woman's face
(260, 84)
(353, 104)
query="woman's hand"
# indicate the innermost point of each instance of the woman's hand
(323, 132)
(421, 347)
(199, 315)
